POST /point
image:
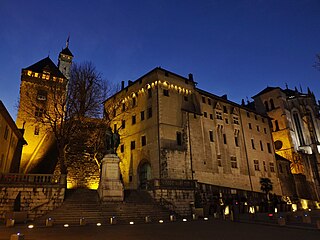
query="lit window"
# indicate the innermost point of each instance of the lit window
(29, 73)
(36, 74)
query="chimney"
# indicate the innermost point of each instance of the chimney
(122, 85)
(191, 77)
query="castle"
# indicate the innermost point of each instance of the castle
(172, 130)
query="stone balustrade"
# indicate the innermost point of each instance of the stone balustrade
(31, 179)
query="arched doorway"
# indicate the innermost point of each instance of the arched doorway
(144, 172)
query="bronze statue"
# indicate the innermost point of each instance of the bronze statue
(112, 141)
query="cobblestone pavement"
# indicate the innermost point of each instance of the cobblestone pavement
(212, 229)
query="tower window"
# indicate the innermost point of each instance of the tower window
(205, 114)
(149, 93)
(209, 101)
(123, 124)
(272, 104)
(236, 141)
(203, 100)
(225, 109)
(236, 120)
(269, 147)
(122, 148)
(42, 95)
(211, 116)
(123, 107)
(219, 115)
(276, 123)
(224, 138)
(250, 127)
(134, 102)
(261, 146)
(166, 92)
(186, 98)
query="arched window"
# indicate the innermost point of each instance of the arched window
(272, 104)
(266, 105)
(311, 127)
(297, 124)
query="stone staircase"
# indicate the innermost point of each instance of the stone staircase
(84, 203)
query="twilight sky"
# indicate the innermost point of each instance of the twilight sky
(234, 47)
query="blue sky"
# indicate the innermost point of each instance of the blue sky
(232, 47)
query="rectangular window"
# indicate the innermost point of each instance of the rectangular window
(248, 114)
(225, 109)
(211, 135)
(115, 128)
(6, 132)
(258, 128)
(265, 130)
(123, 124)
(209, 101)
(269, 147)
(226, 120)
(186, 98)
(280, 168)
(122, 148)
(233, 160)
(256, 165)
(149, 93)
(261, 145)
(143, 140)
(142, 115)
(252, 144)
(250, 127)
(205, 114)
(134, 119)
(211, 116)
(39, 112)
(219, 115)
(36, 130)
(235, 120)
(203, 100)
(149, 112)
(224, 138)
(166, 92)
(123, 107)
(219, 160)
(271, 167)
(264, 166)
(236, 141)
(134, 102)
(179, 138)
(255, 117)
(133, 145)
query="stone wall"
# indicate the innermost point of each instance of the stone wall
(36, 201)
(177, 200)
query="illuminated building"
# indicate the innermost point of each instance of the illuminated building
(11, 142)
(170, 129)
(296, 134)
(37, 98)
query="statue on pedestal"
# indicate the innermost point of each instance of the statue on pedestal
(112, 141)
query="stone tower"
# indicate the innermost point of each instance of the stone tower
(65, 60)
(38, 99)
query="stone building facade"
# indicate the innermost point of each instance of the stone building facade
(38, 96)
(170, 129)
(296, 134)
(11, 142)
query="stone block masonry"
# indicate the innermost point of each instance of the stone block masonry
(34, 198)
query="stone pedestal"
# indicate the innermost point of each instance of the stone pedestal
(110, 187)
